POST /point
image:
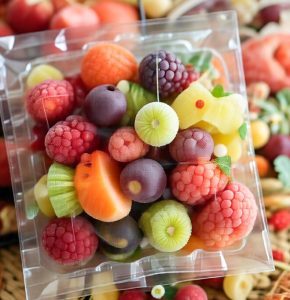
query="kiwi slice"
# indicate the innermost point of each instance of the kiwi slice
(167, 225)
(61, 191)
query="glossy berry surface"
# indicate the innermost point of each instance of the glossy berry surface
(143, 180)
(69, 240)
(172, 75)
(105, 105)
(192, 145)
(67, 140)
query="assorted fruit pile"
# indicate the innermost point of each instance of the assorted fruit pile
(140, 150)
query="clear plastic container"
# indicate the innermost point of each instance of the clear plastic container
(44, 279)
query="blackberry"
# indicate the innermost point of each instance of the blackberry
(173, 76)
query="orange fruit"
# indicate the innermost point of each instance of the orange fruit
(263, 165)
(107, 63)
(98, 188)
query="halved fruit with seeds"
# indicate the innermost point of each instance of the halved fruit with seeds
(98, 188)
(61, 191)
(167, 225)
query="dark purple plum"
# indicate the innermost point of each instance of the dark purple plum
(278, 144)
(143, 180)
(192, 145)
(105, 105)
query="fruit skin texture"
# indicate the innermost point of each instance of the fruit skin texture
(260, 133)
(277, 145)
(133, 295)
(69, 241)
(115, 12)
(172, 74)
(75, 15)
(25, 17)
(196, 184)
(191, 292)
(280, 220)
(105, 105)
(41, 73)
(125, 145)
(227, 218)
(263, 165)
(4, 166)
(238, 287)
(107, 63)
(167, 225)
(197, 107)
(41, 196)
(192, 145)
(50, 101)
(156, 124)
(67, 140)
(149, 177)
(98, 188)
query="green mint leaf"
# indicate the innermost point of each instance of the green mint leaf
(243, 131)
(284, 99)
(32, 211)
(170, 292)
(201, 60)
(224, 164)
(218, 91)
(282, 167)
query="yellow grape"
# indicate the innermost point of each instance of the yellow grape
(238, 287)
(260, 133)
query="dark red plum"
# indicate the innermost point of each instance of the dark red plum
(105, 105)
(278, 144)
(143, 180)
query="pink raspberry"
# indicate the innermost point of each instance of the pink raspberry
(79, 88)
(67, 140)
(227, 218)
(194, 184)
(125, 145)
(50, 101)
(191, 292)
(69, 240)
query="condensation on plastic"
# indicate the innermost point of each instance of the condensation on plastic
(64, 49)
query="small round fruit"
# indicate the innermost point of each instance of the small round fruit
(278, 145)
(42, 73)
(263, 165)
(220, 150)
(167, 225)
(105, 105)
(123, 234)
(238, 287)
(157, 124)
(158, 291)
(133, 295)
(69, 241)
(192, 145)
(41, 197)
(260, 133)
(143, 180)
(191, 292)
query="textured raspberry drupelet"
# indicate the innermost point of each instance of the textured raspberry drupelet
(194, 184)
(192, 145)
(280, 220)
(67, 140)
(227, 218)
(50, 101)
(173, 76)
(125, 145)
(69, 240)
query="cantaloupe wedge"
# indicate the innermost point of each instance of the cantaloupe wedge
(98, 188)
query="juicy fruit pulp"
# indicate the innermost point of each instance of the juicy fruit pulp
(143, 180)
(167, 225)
(98, 188)
(156, 124)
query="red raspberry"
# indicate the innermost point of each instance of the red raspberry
(67, 140)
(280, 220)
(50, 101)
(79, 88)
(278, 255)
(133, 295)
(191, 292)
(194, 184)
(39, 131)
(227, 218)
(125, 145)
(69, 240)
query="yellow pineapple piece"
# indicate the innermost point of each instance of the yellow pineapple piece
(197, 106)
